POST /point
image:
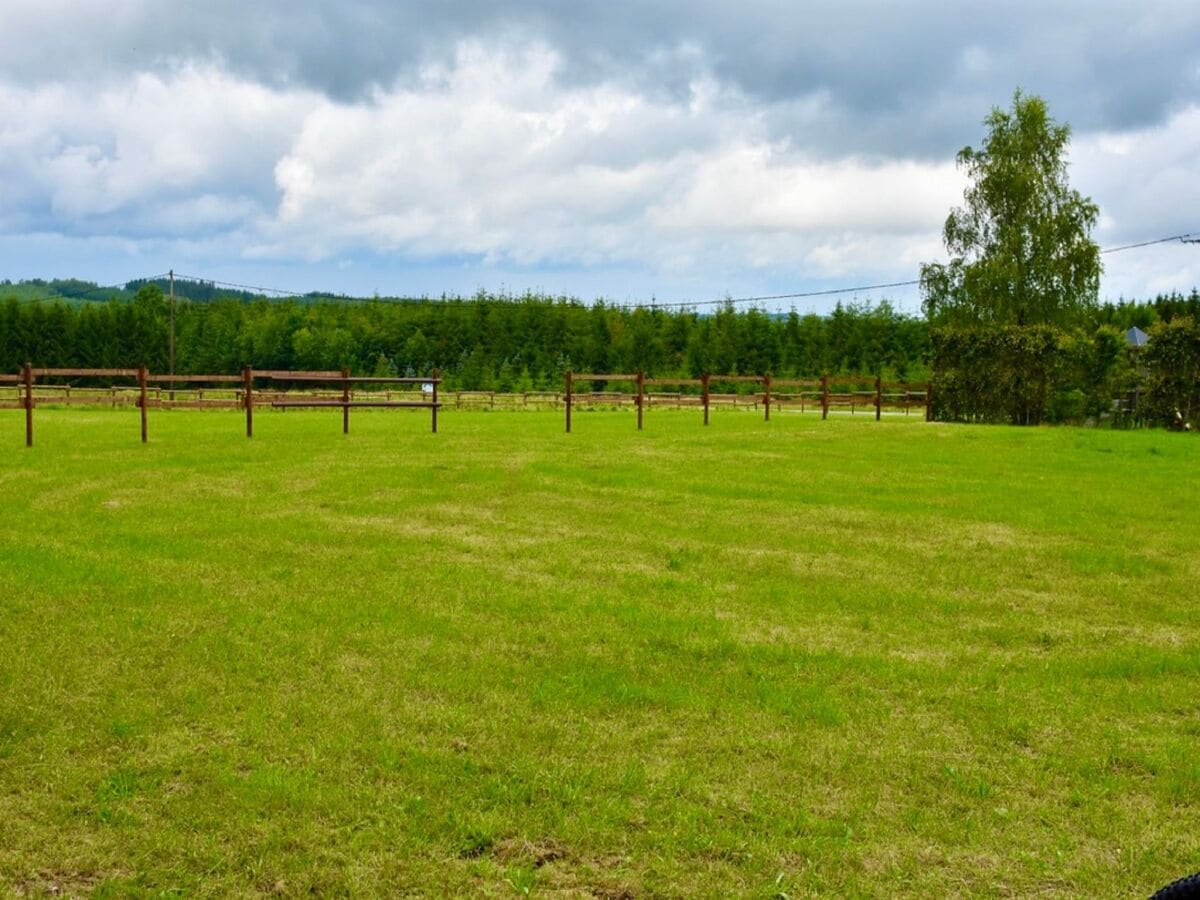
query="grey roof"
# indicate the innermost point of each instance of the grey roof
(1135, 337)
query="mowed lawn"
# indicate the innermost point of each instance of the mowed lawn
(760, 659)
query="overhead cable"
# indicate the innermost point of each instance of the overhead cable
(1187, 238)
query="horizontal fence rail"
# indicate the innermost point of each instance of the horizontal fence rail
(346, 403)
(819, 393)
(240, 392)
(243, 396)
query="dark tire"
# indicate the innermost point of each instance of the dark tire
(1183, 889)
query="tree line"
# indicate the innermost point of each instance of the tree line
(479, 343)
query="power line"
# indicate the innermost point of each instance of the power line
(1186, 238)
(686, 304)
(795, 296)
(244, 287)
(1182, 238)
(77, 294)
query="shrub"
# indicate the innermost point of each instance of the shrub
(1172, 370)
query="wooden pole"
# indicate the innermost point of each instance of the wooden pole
(767, 397)
(929, 402)
(824, 396)
(878, 397)
(171, 333)
(704, 381)
(248, 395)
(568, 377)
(345, 401)
(142, 397)
(28, 373)
(435, 400)
(641, 386)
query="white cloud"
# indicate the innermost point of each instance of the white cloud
(495, 157)
(1147, 183)
(151, 141)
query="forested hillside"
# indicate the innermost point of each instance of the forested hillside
(482, 342)
(479, 343)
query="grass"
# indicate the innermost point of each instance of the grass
(796, 658)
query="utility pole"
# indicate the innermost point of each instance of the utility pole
(171, 332)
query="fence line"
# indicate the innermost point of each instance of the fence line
(230, 397)
(239, 392)
(827, 398)
(244, 398)
(346, 402)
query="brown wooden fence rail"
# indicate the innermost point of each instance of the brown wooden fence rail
(638, 378)
(686, 382)
(505, 400)
(827, 391)
(227, 393)
(910, 395)
(346, 403)
(26, 384)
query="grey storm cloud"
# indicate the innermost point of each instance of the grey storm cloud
(686, 146)
(884, 78)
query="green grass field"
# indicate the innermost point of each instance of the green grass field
(796, 658)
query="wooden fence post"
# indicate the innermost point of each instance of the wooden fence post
(345, 401)
(704, 381)
(28, 375)
(641, 384)
(767, 397)
(878, 397)
(142, 397)
(248, 398)
(824, 396)
(569, 377)
(436, 378)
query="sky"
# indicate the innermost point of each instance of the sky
(635, 151)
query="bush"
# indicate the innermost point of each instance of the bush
(998, 374)
(1025, 375)
(1171, 362)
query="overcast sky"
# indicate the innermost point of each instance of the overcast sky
(682, 151)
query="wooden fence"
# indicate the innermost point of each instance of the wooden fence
(336, 390)
(822, 392)
(347, 401)
(244, 397)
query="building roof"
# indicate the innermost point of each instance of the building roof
(1135, 337)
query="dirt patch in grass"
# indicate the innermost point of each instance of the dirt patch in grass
(57, 884)
(534, 853)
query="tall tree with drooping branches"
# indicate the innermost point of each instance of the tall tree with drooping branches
(1021, 251)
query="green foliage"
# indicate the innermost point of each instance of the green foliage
(1021, 248)
(488, 343)
(1172, 362)
(999, 374)
(1095, 371)
(1012, 303)
(481, 343)
(1026, 375)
